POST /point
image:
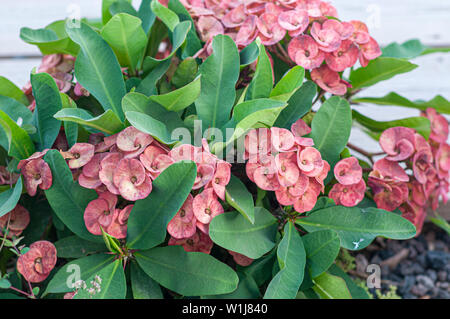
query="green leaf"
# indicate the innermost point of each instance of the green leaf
(142, 285)
(249, 54)
(4, 283)
(146, 15)
(407, 50)
(67, 198)
(185, 73)
(331, 287)
(330, 128)
(289, 84)
(108, 122)
(126, 37)
(322, 248)
(70, 128)
(166, 15)
(220, 72)
(441, 222)
(262, 82)
(260, 269)
(10, 198)
(420, 123)
(149, 125)
(439, 103)
(193, 43)
(252, 114)
(358, 227)
(237, 195)
(48, 102)
(234, 232)
(51, 39)
(67, 275)
(188, 274)
(113, 283)
(180, 99)
(106, 14)
(75, 247)
(380, 69)
(298, 105)
(97, 68)
(356, 291)
(148, 83)
(247, 289)
(18, 143)
(149, 218)
(9, 89)
(122, 7)
(291, 259)
(17, 112)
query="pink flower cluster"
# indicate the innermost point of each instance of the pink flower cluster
(37, 263)
(15, 221)
(285, 162)
(316, 35)
(414, 173)
(350, 189)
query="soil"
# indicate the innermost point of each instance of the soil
(419, 267)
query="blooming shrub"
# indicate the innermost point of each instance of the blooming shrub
(206, 153)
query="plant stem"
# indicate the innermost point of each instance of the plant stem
(361, 151)
(20, 291)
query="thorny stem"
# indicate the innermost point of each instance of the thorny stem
(362, 152)
(321, 94)
(20, 291)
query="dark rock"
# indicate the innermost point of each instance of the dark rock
(438, 259)
(406, 285)
(442, 275)
(443, 285)
(432, 274)
(406, 268)
(385, 254)
(443, 294)
(419, 290)
(376, 260)
(412, 253)
(417, 269)
(426, 281)
(439, 245)
(422, 260)
(385, 270)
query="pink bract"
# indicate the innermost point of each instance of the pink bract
(398, 143)
(131, 180)
(98, 213)
(344, 57)
(37, 173)
(348, 171)
(329, 80)
(390, 171)
(439, 126)
(287, 169)
(79, 154)
(206, 206)
(107, 168)
(133, 141)
(184, 224)
(310, 161)
(15, 221)
(208, 27)
(348, 195)
(327, 37)
(282, 139)
(118, 226)
(240, 259)
(36, 264)
(221, 178)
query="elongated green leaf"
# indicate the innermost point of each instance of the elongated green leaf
(146, 15)
(97, 68)
(247, 289)
(380, 69)
(9, 89)
(249, 54)
(108, 122)
(322, 248)
(149, 218)
(122, 7)
(262, 82)
(179, 99)
(149, 125)
(148, 83)
(358, 227)
(289, 84)
(10, 198)
(18, 143)
(331, 287)
(136, 102)
(237, 195)
(441, 222)
(67, 198)
(356, 291)
(79, 269)
(113, 284)
(234, 232)
(220, 72)
(126, 37)
(185, 73)
(438, 103)
(298, 105)
(193, 43)
(70, 128)
(291, 259)
(188, 274)
(420, 123)
(166, 15)
(142, 285)
(407, 50)
(15, 110)
(106, 14)
(51, 39)
(330, 128)
(48, 102)
(75, 247)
